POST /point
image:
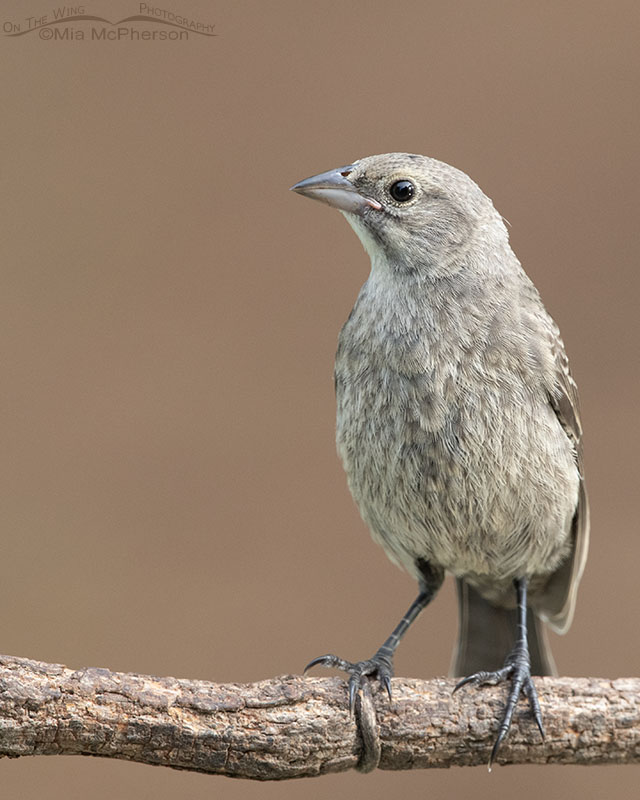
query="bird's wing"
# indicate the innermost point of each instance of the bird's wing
(558, 601)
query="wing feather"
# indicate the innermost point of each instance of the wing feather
(558, 600)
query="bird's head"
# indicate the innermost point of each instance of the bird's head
(411, 211)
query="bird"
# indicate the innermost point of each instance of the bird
(457, 423)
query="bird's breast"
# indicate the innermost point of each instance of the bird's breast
(449, 452)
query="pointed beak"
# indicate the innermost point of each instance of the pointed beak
(335, 189)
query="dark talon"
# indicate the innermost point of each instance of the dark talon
(464, 682)
(494, 749)
(354, 685)
(532, 696)
(313, 663)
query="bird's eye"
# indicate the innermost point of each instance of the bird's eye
(401, 191)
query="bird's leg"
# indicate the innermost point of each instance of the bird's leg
(380, 664)
(517, 669)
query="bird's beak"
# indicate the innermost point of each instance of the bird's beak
(334, 188)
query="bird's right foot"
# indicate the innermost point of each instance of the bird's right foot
(379, 666)
(517, 670)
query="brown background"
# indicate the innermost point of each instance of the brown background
(171, 499)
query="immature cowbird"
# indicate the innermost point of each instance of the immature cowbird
(457, 420)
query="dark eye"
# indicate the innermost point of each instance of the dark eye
(401, 191)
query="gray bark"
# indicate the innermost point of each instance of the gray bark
(292, 727)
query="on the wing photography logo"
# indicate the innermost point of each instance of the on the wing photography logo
(76, 24)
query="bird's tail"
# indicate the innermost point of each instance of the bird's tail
(488, 634)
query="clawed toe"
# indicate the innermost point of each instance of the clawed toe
(484, 678)
(330, 661)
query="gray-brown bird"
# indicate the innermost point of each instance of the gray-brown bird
(457, 420)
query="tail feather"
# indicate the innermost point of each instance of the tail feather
(488, 634)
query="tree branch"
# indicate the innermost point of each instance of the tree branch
(293, 727)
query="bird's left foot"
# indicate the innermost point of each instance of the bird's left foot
(379, 666)
(517, 670)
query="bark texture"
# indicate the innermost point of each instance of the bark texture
(293, 727)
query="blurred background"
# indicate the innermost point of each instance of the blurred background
(171, 498)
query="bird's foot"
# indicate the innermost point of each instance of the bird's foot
(517, 670)
(379, 666)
